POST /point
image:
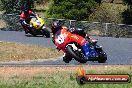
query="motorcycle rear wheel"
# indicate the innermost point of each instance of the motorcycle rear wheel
(102, 57)
(73, 54)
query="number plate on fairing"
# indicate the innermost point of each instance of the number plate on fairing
(60, 38)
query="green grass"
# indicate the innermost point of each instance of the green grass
(58, 80)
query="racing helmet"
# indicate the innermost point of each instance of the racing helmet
(26, 8)
(56, 25)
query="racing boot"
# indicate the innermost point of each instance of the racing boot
(26, 31)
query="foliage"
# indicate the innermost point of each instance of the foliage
(129, 2)
(8, 5)
(108, 12)
(72, 9)
(11, 6)
(41, 1)
(127, 15)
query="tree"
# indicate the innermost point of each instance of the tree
(127, 15)
(7, 5)
(129, 2)
(72, 9)
(13, 6)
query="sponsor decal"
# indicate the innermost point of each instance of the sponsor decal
(75, 37)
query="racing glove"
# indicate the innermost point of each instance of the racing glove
(29, 26)
(71, 30)
(26, 24)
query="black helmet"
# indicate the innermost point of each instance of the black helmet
(26, 11)
(26, 8)
(56, 25)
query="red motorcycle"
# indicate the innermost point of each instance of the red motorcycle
(75, 46)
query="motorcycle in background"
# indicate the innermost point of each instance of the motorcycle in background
(38, 27)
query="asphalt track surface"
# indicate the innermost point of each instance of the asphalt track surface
(119, 50)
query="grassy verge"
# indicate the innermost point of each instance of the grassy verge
(17, 52)
(51, 77)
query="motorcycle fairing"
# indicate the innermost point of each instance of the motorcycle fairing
(37, 22)
(86, 49)
(64, 37)
(89, 52)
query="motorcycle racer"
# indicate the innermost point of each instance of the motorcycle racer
(57, 28)
(57, 25)
(25, 17)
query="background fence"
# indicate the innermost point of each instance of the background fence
(10, 22)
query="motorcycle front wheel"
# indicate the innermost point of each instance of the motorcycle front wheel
(67, 58)
(46, 33)
(74, 54)
(102, 56)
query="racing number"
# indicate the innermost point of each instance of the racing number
(60, 39)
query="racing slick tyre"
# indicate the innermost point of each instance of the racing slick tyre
(32, 33)
(46, 33)
(26, 32)
(102, 57)
(67, 59)
(75, 55)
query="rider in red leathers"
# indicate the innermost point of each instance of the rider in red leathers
(57, 25)
(25, 17)
(56, 28)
